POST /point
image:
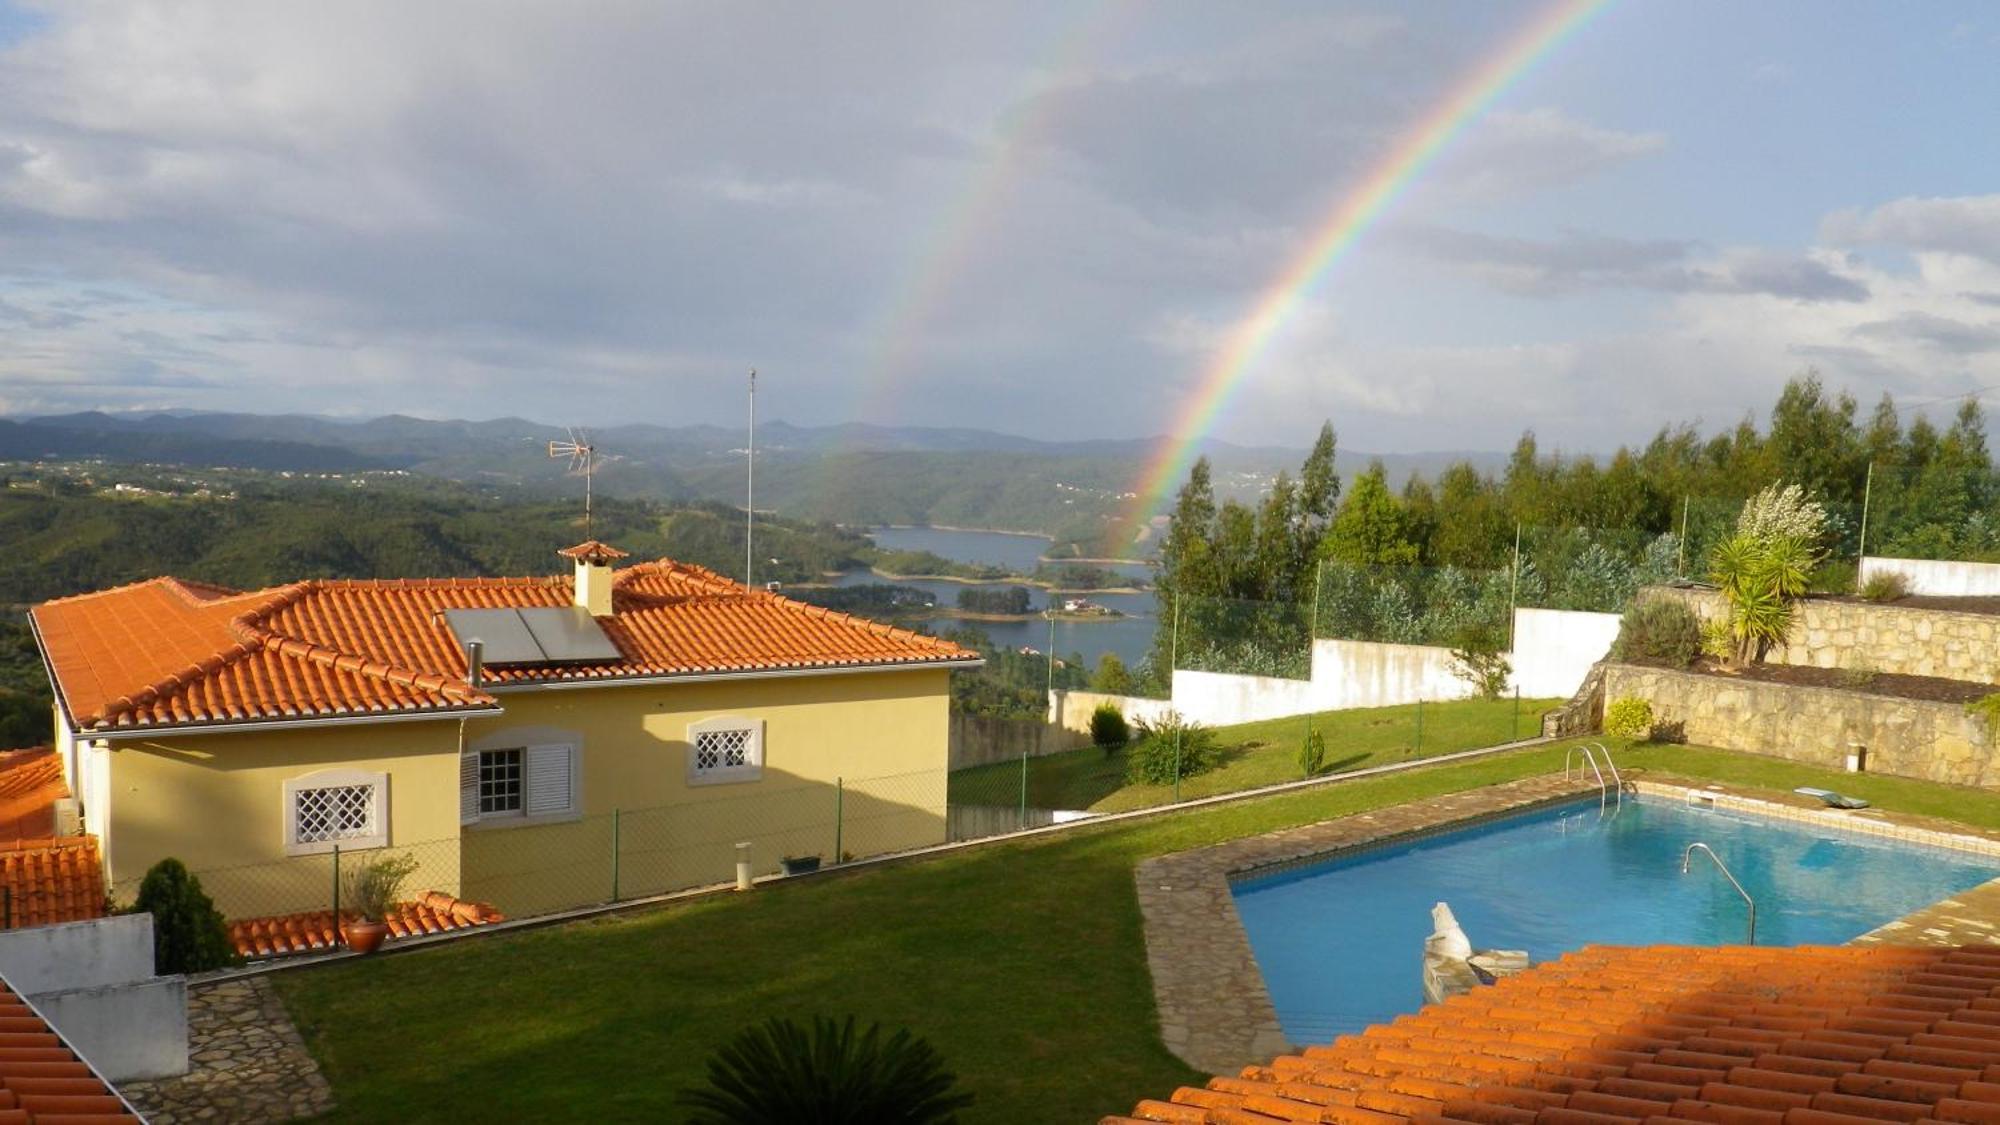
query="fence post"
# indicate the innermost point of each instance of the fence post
(615, 840)
(1681, 548)
(336, 888)
(1024, 789)
(1419, 752)
(839, 815)
(1514, 726)
(1867, 494)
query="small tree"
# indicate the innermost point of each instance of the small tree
(1312, 753)
(188, 932)
(1111, 677)
(1108, 728)
(1629, 717)
(1767, 565)
(780, 1072)
(1480, 659)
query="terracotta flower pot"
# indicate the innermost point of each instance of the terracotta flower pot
(362, 936)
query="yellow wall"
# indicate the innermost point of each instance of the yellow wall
(884, 733)
(216, 803)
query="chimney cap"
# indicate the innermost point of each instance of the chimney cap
(592, 551)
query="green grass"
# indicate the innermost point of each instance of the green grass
(1257, 754)
(1023, 963)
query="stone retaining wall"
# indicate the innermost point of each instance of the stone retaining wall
(1907, 737)
(1876, 638)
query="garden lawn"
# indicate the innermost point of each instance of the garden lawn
(1257, 754)
(1023, 962)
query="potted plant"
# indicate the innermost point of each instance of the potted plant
(800, 864)
(372, 891)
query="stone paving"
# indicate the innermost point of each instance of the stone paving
(1214, 1012)
(248, 1063)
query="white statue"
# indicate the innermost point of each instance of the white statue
(1447, 938)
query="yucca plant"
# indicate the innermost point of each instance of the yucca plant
(1760, 578)
(779, 1072)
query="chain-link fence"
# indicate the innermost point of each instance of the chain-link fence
(1933, 514)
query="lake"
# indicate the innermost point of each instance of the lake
(1131, 636)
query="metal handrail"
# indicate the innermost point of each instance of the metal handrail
(1613, 767)
(1602, 785)
(1687, 857)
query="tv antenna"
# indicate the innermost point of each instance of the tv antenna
(582, 457)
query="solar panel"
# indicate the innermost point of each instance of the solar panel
(505, 636)
(570, 635)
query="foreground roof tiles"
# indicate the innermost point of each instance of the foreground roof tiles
(44, 878)
(42, 1079)
(168, 652)
(435, 913)
(1657, 1036)
(31, 782)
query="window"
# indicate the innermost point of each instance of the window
(500, 782)
(336, 808)
(722, 750)
(517, 782)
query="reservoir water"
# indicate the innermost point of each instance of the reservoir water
(1130, 636)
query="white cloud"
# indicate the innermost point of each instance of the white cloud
(1968, 225)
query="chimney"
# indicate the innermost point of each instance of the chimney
(593, 575)
(475, 662)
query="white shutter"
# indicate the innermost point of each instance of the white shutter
(468, 788)
(549, 779)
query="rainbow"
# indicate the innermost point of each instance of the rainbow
(1350, 218)
(947, 248)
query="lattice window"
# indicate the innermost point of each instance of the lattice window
(336, 812)
(725, 750)
(499, 782)
(343, 808)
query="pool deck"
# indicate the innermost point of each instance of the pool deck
(1214, 1011)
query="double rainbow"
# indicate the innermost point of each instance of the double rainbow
(1350, 218)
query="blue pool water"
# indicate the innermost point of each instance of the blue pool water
(1340, 943)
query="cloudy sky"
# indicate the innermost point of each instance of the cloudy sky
(1043, 218)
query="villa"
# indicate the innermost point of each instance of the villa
(493, 729)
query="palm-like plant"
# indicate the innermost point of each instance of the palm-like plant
(779, 1072)
(1760, 578)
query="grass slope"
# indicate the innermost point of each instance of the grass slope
(1257, 754)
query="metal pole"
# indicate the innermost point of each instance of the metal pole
(839, 815)
(1420, 727)
(1867, 493)
(1514, 586)
(1681, 562)
(614, 855)
(750, 488)
(336, 888)
(1514, 725)
(1024, 788)
(1312, 635)
(1173, 658)
(1050, 613)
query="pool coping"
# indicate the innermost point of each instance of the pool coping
(1214, 1011)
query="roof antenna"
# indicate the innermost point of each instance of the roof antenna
(582, 456)
(750, 490)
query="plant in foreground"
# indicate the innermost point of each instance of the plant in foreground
(188, 931)
(1659, 631)
(779, 1072)
(1885, 586)
(1169, 747)
(1108, 728)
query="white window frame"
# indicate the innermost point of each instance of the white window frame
(337, 779)
(531, 750)
(752, 770)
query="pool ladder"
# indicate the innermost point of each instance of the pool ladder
(1607, 791)
(1687, 857)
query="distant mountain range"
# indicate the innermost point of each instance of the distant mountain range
(850, 473)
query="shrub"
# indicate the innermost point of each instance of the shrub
(1480, 659)
(1885, 586)
(188, 933)
(1716, 639)
(1111, 677)
(1312, 753)
(1108, 728)
(374, 888)
(1658, 631)
(1629, 717)
(1171, 746)
(778, 1071)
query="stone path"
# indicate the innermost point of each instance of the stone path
(1214, 1012)
(249, 1064)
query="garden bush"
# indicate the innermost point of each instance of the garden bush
(779, 1071)
(1312, 754)
(1661, 632)
(1629, 717)
(1108, 728)
(1885, 586)
(1171, 745)
(1480, 658)
(188, 932)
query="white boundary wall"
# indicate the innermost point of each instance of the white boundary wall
(1553, 651)
(94, 982)
(1937, 577)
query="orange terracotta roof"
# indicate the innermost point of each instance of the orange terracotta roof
(60, 879)
(31, 782)
(42, 1079)
(595, 551)
(165, 652)
(434, 913)
(1657, 1036)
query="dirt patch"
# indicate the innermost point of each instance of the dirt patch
(1986, 605)
(1934, 688)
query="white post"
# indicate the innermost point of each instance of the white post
(743, 866)
(750, 488)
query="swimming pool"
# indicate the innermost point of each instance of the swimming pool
(1340, 943)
